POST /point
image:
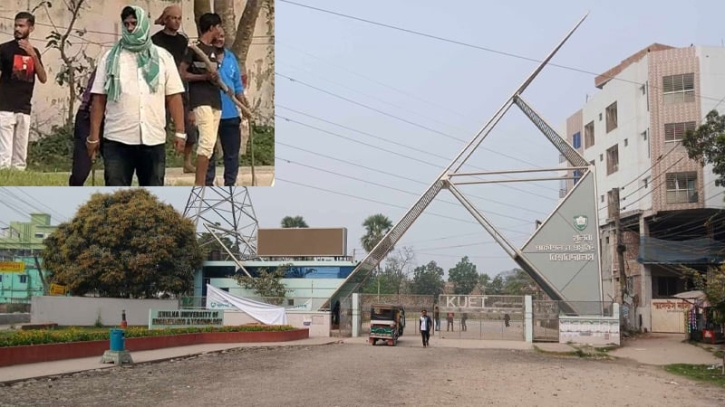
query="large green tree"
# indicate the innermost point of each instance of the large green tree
(125, 244)
(267, 284)
(707, 144)
(393, 278)
(428, 280)
(517, 282)
(376, 227)
(293, 222)
(464, 276)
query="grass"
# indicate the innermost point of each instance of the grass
(702, 373)
(11, 178)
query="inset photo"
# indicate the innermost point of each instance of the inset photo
(137, 94)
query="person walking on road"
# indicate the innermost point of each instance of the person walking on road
(437, 317)
(426, 324)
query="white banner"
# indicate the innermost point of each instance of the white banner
(264, 313)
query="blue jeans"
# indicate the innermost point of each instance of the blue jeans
(230, 137)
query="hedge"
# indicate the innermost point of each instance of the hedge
(41, 337)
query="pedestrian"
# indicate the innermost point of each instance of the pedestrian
(464, 317)
(506, 319)
(205, 99)
(82, 163)
(437, 317)
(20, 64)
(174, 41)
(230, 131)
(136, 81)
(425, 327)
(449, 320)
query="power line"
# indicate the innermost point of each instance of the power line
(468, 45)
(412, 123)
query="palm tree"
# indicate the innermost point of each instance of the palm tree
(376, 227)
(294, 222)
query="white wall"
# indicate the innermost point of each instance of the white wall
(632, 121)
(302, 289)
(84, 311)
(317, 322)
(712, 85)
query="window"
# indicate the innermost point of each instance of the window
(23, 279)
(600, 117)
(676, 131)
(601, 157)
(601, 198)
(1, 278)
(681, 187)
(577, 140)
(645, 182)
(577, 176)
(589, 135)
(39, 236)
(678, 88)
(626, 142)
(611, 117)
(612, 159)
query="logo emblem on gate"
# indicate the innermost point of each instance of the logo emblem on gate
(581, 222)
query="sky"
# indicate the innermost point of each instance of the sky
(368, 116)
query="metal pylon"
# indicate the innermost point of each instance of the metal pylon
(444, 181)
(225, 215)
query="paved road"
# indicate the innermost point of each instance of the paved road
(356, 375)
(664, 349)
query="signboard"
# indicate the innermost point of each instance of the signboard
(297, 242)
(56, 289)
(480, 302)
(185, 318)
(565, 248)
(589, 330)
(12, 266)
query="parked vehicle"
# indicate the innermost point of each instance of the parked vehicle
(387, 323)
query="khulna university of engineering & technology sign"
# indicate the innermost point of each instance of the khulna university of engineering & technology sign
(581, 247)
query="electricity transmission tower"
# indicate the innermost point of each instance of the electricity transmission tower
(224, 218)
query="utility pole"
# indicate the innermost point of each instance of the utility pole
(614, 213)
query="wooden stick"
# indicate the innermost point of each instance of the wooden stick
(223, 86)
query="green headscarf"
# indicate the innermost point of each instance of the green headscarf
(138, 42)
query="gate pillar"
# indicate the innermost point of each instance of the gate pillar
(528, 319)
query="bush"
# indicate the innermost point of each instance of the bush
(54, 152)
(41, 337)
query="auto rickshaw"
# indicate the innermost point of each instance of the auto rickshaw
(387, 323)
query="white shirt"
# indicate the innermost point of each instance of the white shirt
(424, 323)
(139, 116)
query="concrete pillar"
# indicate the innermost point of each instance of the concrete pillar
(528, 319)
(645, 295)
(355, 315)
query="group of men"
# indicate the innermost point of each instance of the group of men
(141, 88)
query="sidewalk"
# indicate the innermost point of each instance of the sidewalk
(665, 349)
(62, 367)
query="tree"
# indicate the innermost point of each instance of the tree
(495, 287)
(464, 276)
(376, 227)
(713, 285)
(484, 282)
(76, 65)
(517, 282)
(125, 244)
(428, 280)
(707, 144)
(239, 36)
(210, 245)
(267, 284)
(294, 222)
(394, 277)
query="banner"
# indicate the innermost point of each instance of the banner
(264, 313)
(12, 266)
(56, 289)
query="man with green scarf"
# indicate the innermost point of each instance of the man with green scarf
(136, 81)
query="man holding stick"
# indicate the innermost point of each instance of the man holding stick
(204, 97)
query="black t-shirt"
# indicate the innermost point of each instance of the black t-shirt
(202, 93)
(17, 79)
(175, 44)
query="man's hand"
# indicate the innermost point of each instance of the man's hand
(212, 75)
(192, 118)
(92, 146)
(26, 46)
(179, 144)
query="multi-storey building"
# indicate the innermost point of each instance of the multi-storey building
(20, 243)
(669, 206)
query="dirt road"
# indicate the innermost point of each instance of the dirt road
(354, 375)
